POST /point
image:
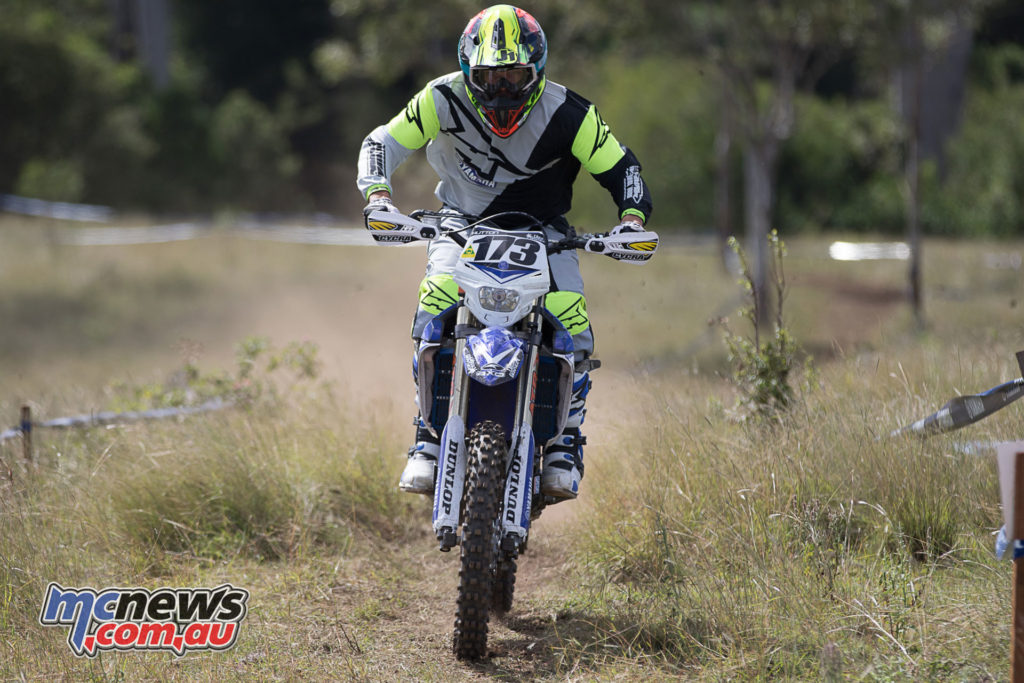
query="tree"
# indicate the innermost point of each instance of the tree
(937, 40)
(762, 52)
(926, 44)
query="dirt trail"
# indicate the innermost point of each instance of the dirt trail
(521, 645)
(415, 641)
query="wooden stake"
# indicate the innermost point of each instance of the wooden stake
(26, 432)
(1017, 653)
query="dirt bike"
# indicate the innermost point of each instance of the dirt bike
(495, 375)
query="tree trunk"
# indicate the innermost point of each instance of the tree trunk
(912, 86)
(913, 179)
(141, 30)
(943, 86)
(759, 196)
(723, 186)
(153, 35)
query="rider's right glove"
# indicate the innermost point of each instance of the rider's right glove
(627, 225)
(381, 203)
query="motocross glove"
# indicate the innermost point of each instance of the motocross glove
(378, 204)
(627, 226)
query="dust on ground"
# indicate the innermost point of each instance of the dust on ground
(364, 343)
(364, 340)
(362, 331)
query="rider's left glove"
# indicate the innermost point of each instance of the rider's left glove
(627, 226)
(380, 203)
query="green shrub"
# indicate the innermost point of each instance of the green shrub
(59, 181)
(761, 367)
(250, 146)
(263, 372)
(841, 168)
(983, 192)
(669, 125)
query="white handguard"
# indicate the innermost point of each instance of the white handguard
(628, 247)
(379, 203)
(391, 227)
(627, 226)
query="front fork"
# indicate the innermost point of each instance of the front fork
(519, 482)
(451, 472)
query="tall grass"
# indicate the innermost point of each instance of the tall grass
(806, 547)
(280, 482)
(810, 547)
(261, 484)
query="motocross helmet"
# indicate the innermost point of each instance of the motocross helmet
(502, 53)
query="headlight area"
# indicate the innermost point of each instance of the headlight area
(493, 356)
(499, 299)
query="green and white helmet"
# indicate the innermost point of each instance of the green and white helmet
(502, 53)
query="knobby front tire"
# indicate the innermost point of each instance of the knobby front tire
(485, 463)
(504, 584)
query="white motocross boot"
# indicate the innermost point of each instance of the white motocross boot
(563, 466)
(421, 469)
(563, 460)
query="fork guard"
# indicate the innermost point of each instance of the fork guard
(451, 472)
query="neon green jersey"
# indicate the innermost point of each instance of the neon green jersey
(532, 170)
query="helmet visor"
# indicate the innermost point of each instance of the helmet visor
(512, 82)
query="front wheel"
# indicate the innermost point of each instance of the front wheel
(504, 585)
(485, 464)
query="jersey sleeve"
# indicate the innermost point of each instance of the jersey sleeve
(613, 165)
(387, 146)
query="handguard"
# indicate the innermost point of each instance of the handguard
(629, 247)
(389, 227)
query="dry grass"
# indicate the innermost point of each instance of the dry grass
(704, 547)
(815, 546)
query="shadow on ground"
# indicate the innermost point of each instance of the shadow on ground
(572, 643)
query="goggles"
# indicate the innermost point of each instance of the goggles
(511, 81)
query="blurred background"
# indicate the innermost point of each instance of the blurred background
(881, 116)
(706, 544)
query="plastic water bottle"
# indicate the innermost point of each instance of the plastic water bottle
(1001, 542)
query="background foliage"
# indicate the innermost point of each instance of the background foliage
(266, 104)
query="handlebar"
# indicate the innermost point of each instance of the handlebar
(571, 242)
(395, 228)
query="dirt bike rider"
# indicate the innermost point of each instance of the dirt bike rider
(501, 137)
